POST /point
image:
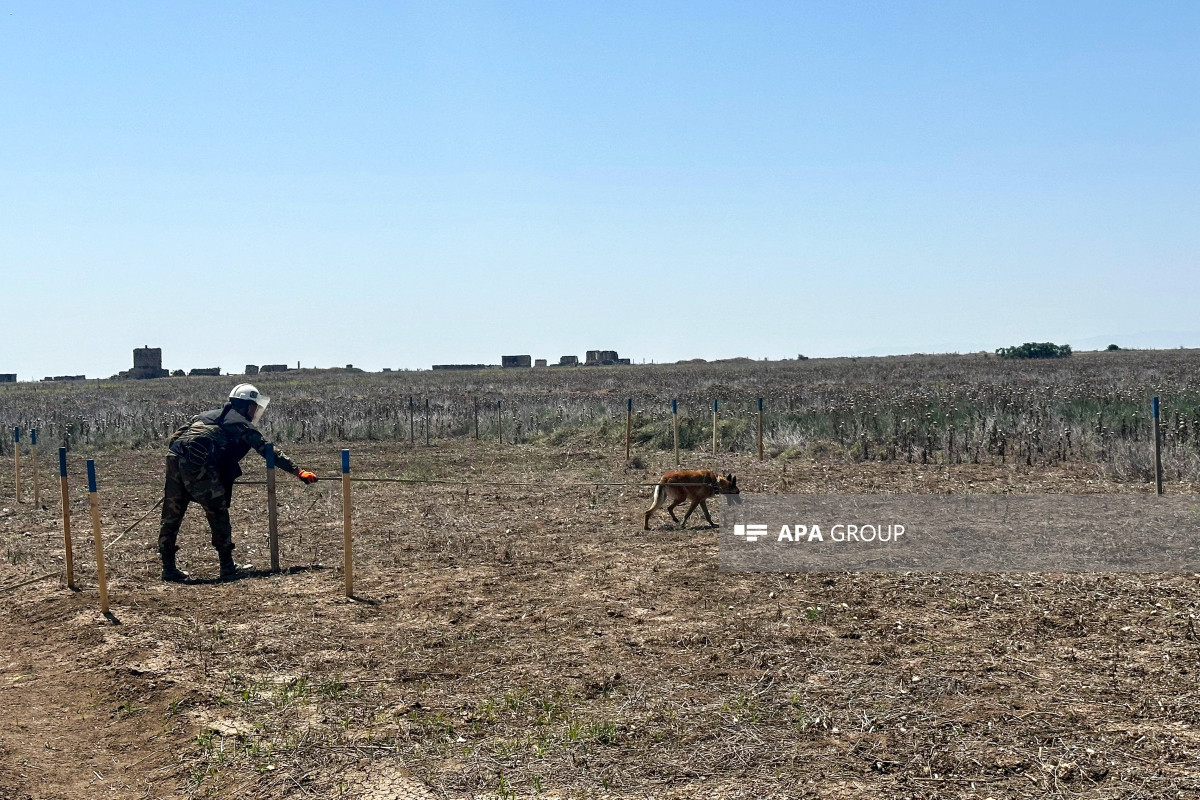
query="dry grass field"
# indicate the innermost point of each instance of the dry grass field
(531, 641)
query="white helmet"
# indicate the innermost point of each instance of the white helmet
(246, 391)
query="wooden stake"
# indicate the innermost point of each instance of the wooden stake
(66, 512)
(675, 426)
(628, 426)
(714, 427)
(272, 510)
(760, 449)
(476, 399)
(1158, 483)
(412, 430)
(37, 489)
(97, 538)
(499, 424)
(17, 460)
(347, 532)
(427, 422)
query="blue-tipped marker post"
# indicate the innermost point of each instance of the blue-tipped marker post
(675, 427)
(1157, 448)
(272, 510)
(68, 551)
(412, 429)
(17, 461)
(628, 426)
(37, 487)
(760, 447)
(714, 427)
(97, 538)
(347, 531)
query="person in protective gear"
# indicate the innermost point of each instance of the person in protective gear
(202, 464)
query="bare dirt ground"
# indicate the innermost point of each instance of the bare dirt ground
(524, 641)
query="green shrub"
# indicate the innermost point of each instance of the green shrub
(1036, 350)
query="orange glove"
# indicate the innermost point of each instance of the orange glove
(306, 476)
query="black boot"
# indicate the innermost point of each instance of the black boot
(170, 571)
(230, 570)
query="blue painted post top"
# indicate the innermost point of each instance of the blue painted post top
(16, 434)
(760, 404)
(674, 407)
(62, 462)
(410, 402)
(345, 462)
(629, 405)
(270, 455)
(714, 405)
(91, 467)
(1155, 404)
(33, 436)
(427, 402)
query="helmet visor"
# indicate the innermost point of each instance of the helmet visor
(260, 407)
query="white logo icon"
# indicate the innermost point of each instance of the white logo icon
(751, 533)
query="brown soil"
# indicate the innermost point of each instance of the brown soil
(523, 640)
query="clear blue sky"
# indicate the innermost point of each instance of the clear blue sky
(398, 184)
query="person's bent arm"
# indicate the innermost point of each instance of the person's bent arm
(255, 439)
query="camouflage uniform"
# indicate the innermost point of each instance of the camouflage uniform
(202, 464)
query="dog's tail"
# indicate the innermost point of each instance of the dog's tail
(654, 504)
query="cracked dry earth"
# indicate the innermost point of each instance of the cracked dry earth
(533, 642)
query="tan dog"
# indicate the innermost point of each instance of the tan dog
(696, 485)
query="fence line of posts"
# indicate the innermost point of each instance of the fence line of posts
(474, 428)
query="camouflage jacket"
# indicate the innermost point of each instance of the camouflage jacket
(219, 439)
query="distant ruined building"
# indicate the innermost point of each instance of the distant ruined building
(147, 363)
(603, 358)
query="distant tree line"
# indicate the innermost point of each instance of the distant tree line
(1036, 350)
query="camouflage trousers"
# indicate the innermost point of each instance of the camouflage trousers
(185, 484)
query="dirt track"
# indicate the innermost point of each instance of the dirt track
(526, 641)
